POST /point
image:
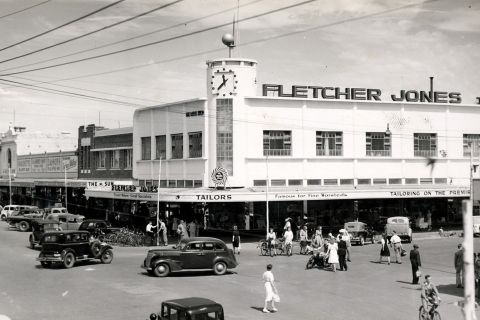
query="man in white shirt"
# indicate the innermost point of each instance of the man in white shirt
(163, 230)
(397, 246)
(150, 232)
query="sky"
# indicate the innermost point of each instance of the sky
(390, 45)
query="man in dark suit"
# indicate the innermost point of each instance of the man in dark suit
(416, 263)
(459, 266)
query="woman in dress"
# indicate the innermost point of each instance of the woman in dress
(384, 251)
(333, 254)
(236, 240)
(271, 293)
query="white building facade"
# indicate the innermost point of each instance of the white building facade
(324, 154)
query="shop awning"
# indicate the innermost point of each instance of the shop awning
(284, 194)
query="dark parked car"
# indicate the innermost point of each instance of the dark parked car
(67, 247)
(98, 228)
(193, 253)
(359, 232)
(190, 309)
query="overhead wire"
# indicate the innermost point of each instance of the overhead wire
(261, 40)
(135, 37)
(161, 41)
(93, 32)
(63, 25)
(25, 9)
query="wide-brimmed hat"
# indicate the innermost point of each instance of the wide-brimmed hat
(288, 219)
(341, 230)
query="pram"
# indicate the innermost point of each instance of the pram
(318, 258)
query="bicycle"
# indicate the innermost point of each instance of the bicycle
(425, 315)
(288, 249)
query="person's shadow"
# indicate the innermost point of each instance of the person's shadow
(450, 289)
(260, 309)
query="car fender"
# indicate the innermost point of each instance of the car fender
(65, 251)
(226, 260)
(174, 265)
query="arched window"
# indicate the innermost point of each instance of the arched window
(9, 158)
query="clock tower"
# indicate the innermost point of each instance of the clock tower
(229, 82)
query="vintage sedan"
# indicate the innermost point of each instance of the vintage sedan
(359, 232)
(191, 254)
(67, 247)
(189, 309)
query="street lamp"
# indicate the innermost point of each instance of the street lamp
(66, 193)
(10, 183)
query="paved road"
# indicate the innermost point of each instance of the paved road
(123, 291)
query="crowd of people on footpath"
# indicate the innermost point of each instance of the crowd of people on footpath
(179, 228)
(334, 250)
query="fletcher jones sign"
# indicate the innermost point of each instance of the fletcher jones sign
(337, 93)
(259, 196)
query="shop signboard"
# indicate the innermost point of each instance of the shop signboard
(46, 164)
(202, 195)
(109, 185)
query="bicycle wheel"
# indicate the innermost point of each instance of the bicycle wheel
(436, 316)
(422, 314)
(264, 249)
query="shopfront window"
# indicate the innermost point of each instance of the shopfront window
(146, 148)
(425, 144)
(277, 143)
(378, 144)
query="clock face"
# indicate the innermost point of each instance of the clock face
(224, 82)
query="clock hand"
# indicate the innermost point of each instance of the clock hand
(224, 82)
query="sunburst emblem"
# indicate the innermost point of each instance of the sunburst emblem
(219, 176)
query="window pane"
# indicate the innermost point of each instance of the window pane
(225, 134)
(329, 143)
(195, 145)
(146, 148)
(277, 143)
(177, 146)
(161, 147)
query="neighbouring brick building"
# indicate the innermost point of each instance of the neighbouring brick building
(105, 153)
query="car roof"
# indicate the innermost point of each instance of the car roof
(397, 217)
(67, 232)
(193, 302)
(203, 239)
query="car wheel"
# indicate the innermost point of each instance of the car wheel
(24, 226)
(161, 270)
(362, 241)
(69, 260)
(309, 264)
(220, 268)
(3, 217)
(107, 256)
(96, 248)
(46, 264)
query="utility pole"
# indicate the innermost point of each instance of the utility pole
(468, 272)
(266, 193)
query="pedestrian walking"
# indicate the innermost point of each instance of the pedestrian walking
(181, 231)
(287, 224)
(271, 240)
(236, 240)
(192, 229)
(150, 229)
(416, 264)
(333, 254)
(396, 242)
(458, 261)
(342, 253)
(384, 251)
(271, 292)
(303, 240)
(163, 229)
